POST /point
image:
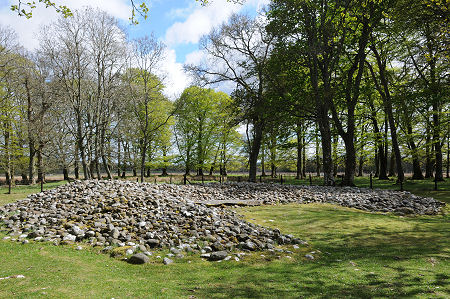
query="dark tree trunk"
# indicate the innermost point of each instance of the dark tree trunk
(350, 162)
(448, 151)
(41, 177)
(76, 166)
(263, 162)
(164, 168)
(81, 148)
(65, 173)
(254, 150)
(119, 165)
(387, 100)
(392, 164)
(335, 154)
(304, 157)
(428, 153)
(299, 132)
(325, 132)
(382, 158)
(417, 172)
(437, 142)
(360, 166)
(377, 162)
(31, 141)
(143, 155)
(317, 157)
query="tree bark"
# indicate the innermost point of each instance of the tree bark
(299, 133)
(254, 150)
(417, 172)
(387, 100)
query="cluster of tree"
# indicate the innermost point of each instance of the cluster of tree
(90, 100)
(357, 83)
(372, 76)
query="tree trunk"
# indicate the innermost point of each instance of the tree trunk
(41, 177)
(164, 168)
(118, 158)
(325, 132)
(335, 154)
(254, 151)
(437, 142)
(76, 166)
(448, 150)
(361, 165)
(417, 172)
(392, 164)
(387, 100)
(377, 161)
(350, 162)
(103, 155)
(263, 162)
(299, 150)
(143, 155)
(81, 148)
(317, 157)
(304, 157)
(381, 171)
(65, 173)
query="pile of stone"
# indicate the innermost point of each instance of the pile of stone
(360, 198)
(147, 216)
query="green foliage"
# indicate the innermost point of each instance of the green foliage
(205, 127)
(25, 9)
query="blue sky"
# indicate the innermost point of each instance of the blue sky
(178, 23)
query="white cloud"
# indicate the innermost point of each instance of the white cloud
(27, 29)
(200, 22)
(176, 79)
(195, 57)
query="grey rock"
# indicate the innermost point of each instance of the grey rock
(70, 237)
(167, 261)
(138, 258)
(218, 255)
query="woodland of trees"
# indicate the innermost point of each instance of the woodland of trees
(319, 86)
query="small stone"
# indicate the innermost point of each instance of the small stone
(70, 237)
(167, 261)
(175, 250)
(218, 255)
(79, 248)
(152, 242)
(309, 256)
(138, 258)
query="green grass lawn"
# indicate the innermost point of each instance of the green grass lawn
(358, 255)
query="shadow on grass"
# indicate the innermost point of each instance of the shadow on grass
(363, 255)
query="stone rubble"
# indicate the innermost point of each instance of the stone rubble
(144, 216)
(376, 200)
(134, 216)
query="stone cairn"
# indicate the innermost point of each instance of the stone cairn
(180, 217)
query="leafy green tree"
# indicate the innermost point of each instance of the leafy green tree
(200, 127)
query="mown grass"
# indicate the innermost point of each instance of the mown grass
(357, 255)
